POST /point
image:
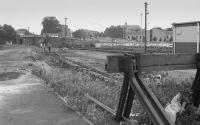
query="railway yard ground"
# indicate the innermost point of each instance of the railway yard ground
(24, 98)
(75, 75)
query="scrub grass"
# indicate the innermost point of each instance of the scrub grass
(73, 84)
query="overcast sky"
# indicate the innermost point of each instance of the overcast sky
(97, 14)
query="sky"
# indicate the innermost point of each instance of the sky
(97, 14)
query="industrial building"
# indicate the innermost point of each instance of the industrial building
(157, 34)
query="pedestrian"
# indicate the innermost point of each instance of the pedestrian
(49, 47)
(45, 44)
(41, 46)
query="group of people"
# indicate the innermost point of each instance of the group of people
(45, 45)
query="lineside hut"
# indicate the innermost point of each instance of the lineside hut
(186, 37)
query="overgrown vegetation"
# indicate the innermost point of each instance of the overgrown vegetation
(73, 84)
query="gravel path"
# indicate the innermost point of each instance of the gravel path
(26, 100)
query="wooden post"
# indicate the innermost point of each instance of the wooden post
(196, 89)
(123, 97)
(196, 86)
(129, 102)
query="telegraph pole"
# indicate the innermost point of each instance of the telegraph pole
(141, 26)
(146, 4)
(65, 30)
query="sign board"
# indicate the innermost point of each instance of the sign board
(186, 37)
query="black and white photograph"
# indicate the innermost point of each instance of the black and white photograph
(99, 62)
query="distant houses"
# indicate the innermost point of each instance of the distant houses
(65, 32)
(160, 35)
(22, 32)
(157, 34)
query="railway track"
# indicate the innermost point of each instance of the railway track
(93, 71)
(152, 104)
(130, 50)
(61, 57)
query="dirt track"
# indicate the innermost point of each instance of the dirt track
(25, 100)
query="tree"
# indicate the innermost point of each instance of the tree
(80, 34)
(171, 39)
(114, 31)
(7, 33)
(169, 29)
(160, 39)
(154, 38)
(50, 25)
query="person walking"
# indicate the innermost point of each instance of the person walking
(41, 46)
(49, 47)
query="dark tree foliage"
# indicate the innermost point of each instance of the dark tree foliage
(154, 38)
(7, 33)
(114, 31)
(160, 39)
(50, 25)
(80, 34)
(171, 39)
(169, 29)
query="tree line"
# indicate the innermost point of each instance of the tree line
(112, 31)
(7, 33)
(52, 25)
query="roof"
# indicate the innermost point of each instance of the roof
(131, 26)
(135, 32)
(186, 23)
(31, 36)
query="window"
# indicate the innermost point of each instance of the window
(178, 31)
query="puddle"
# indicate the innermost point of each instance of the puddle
(10, 75)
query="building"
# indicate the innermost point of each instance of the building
(132, 32)
(186, 37)
(65, 31)
(51, 34)
(135, 33)
(22, 32)
(159, 35)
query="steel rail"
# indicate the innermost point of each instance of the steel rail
(152, 105)
(108, 109)
(101, 104)
(62, 57)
